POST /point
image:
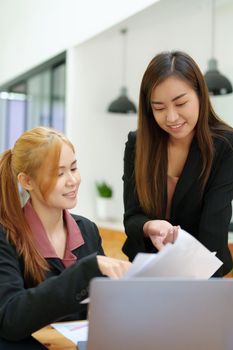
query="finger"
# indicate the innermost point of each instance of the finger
(175, 235)
(162, 234)
(157, 234)
(158, 243)
(113, 272)
(119, 268)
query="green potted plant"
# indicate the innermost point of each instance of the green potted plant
(104, 200)
(104, 190)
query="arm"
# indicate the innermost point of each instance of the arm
(216, 210)
(145, 234)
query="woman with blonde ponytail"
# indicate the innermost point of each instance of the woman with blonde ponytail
(47, 255)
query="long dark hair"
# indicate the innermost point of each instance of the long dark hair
(151, 144)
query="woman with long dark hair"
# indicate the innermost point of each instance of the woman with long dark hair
(178, 165)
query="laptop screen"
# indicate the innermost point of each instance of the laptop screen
(160, 314)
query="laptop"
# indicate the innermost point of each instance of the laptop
(160, 314)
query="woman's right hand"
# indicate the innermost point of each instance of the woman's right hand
(112, 267)
(160, 232)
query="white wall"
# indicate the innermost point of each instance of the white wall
(32, 31)
(95, 78)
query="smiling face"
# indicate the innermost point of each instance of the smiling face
(175, 107)
(64, 193)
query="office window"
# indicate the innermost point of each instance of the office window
(35, 98)
(15, 121)
(58, 97)
(39, 98)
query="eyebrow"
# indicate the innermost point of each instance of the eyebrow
(174, 99)
(63, 167)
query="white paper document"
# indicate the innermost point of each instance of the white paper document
(187, 257)
(75, 331)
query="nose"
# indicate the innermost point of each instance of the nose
(71, 179)
(172, 115)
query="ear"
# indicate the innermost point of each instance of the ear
(25, 181)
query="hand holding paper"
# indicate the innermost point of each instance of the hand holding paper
(187, 257)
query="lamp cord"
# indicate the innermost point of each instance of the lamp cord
(124, 49)
(213, 25)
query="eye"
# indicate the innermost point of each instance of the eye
(74, 169)
(181, 104)
(60, 174)
(158, 108)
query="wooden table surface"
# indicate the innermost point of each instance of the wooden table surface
(53, 340)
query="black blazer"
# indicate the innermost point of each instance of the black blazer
(206, 219)
(24, 310)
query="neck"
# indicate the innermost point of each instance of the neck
(51, 218)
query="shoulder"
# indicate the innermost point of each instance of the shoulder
(130, 148)
(81, 220)
(86, 226)
(223, 142)
(130, 143)
(90, 233)
(132, 137)
(223, 152)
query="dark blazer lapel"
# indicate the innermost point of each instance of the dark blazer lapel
(56, 264)
(190, 173)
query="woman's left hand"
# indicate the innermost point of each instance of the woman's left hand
(160, 232)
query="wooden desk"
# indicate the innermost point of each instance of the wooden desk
(231, 248)
(53, 340)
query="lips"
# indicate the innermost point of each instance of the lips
(176, 126)
(71, 194)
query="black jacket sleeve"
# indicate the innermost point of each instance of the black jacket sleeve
(23, 311)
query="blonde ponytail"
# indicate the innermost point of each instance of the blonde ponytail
(17, 230)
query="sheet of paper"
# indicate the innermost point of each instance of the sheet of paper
(75, 331)
(187, 257)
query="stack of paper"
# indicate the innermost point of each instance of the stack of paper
(187, 257)
(76, 331)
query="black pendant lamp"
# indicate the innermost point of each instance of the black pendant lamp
(217, 83)
(122, 104)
